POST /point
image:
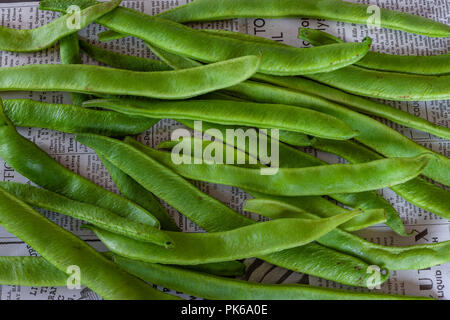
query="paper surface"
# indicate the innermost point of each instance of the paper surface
(433, 282)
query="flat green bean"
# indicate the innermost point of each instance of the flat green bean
(73, 119)
(63, 250)
(316, 180)
(35, 164)
(100, 217)
(122, 61)
(138, 194)
(425, 65)
(17, 40)
(207, 10)
(214, 287)
(271, 116)
(372, 133)
(417, 191)
(103, 80)
(244, 242)
(212, 215)
(197, 44)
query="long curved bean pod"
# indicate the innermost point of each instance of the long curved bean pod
(372, 133)
(197, 44)
(100, 217)
(35, 164)
(69, 52)
(103, 80)
(218, 288)
(63, 250)
(358, 103)
(207, 10)
(417, 191)
(211, 215)
(73, 119)
(414, 257)
(425, 65)
(317, 180)
(245, 242)
(43, 37)
(386, 85)
(122, 61)
(283, 208)
(249, 114)
(138, 194)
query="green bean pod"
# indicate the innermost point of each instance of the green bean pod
(197, 44)
(337, 10)
(244, 242)
(73, 119)
(372, 133)
(33, 163)
(38, 39)
(212, 215)
(103, 80)
(69, 51)
(317, 180)
(417, 191)
(218, 288)
(425, 65)
(122, 61)
(249, 114)
(99, 217)
(64, 250)
(138, 194)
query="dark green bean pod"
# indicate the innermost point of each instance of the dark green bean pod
(63, 250)
(207, 10)
(103, 80)
(18, 40)
(316, 180)
(122, 61)
(212, 215)
(73, 119)
(218, 288)
(425, 65)
(197, 44)
(33, 163)
(104, 219)
(69, 52)
(245, 242)
(243, 113)
(417, 191)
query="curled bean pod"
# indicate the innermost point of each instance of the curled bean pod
(244, 242)
(138, 194)
(211, 215)
(63, 250)
(197, 44)
(372, 133)
(234, 113)
(213, 287)
(72, 119)
(317, 180)
(417, 191)
(100, 217)
(102, 80)
(32, 162)
(425, 65)
(43, 37)
(413, 257)
(122, 61)
(207, 10)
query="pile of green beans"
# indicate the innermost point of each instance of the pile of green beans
(302, 210)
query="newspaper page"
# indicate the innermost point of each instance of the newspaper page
(428, 228)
